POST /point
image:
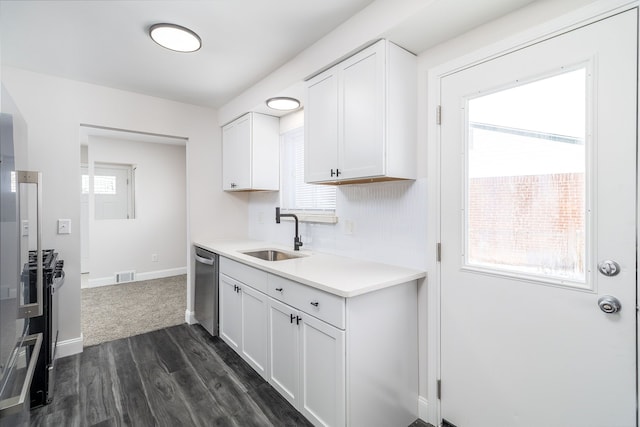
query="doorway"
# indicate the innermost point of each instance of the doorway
(538, 230)
(133, 232)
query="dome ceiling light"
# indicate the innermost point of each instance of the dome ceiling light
(283, 103)
(175, 37)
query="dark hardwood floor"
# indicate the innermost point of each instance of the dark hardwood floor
(178, 376)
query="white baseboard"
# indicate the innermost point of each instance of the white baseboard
(423, 409)
(149, 275)
(69, 347)
(189, 317)
(105, 281)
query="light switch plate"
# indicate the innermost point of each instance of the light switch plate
(64, 226)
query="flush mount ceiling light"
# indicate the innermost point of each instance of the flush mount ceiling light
(283, 103)
(175, 37)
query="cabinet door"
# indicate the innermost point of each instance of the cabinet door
(284, 350)
(236, 154)
(362, 131)
(322, 382)
(254, 329)
(230, 312)
(321, 127)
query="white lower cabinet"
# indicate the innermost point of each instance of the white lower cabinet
(307, 363)
(230, 312)
(339, 361)
(254, 329)
(322, 372)
(284, 350)
(243, 314)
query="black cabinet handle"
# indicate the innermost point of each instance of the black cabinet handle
(337, 172)
(332, 172)
(298, 319)
(315, 303)
(292, 316)
(279, 289)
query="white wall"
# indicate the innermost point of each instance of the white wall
(388, 223)
(367, 25)
(54, 108)
(508, 27)
(160, 223)
(393, 221)
(387, 219)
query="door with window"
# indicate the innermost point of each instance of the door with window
(538, 229)
(112, 191)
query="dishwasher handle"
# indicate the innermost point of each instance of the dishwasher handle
(203, 260)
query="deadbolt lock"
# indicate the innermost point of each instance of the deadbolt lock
(609, 268)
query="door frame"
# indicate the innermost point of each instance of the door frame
(431, 409)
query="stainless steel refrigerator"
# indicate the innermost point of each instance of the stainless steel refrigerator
(19, 191)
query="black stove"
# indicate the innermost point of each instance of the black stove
(47, 324)
(49, 257)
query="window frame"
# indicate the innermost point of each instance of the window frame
(327, 216)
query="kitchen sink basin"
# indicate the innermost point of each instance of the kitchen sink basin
(272, 255)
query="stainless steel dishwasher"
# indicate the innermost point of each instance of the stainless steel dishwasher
(206, 295)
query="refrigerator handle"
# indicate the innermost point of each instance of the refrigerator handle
(34, 309)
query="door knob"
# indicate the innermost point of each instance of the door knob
(609, 304)
(609, 268)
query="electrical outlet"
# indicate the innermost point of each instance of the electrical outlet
(154, 257)
(25, 227)
(349, 227)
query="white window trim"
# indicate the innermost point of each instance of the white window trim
(312, 216)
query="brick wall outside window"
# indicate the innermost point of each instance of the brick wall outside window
(532, 222)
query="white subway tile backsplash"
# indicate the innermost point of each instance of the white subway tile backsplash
(383, 222)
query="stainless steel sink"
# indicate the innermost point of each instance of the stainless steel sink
(273, 255)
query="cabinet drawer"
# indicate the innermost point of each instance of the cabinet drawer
(317, 303)
(253, 277)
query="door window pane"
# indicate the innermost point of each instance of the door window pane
(525, 204)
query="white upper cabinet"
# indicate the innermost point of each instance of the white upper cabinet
(360, 118)
(321, 127)
(250, 153)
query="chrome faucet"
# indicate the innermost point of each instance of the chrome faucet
(297, 242)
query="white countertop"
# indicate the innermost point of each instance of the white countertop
(342, 276)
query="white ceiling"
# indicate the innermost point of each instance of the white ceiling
(106, 42)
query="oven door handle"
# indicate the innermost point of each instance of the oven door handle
(58, 281)
(34, 309)
(16, 404)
